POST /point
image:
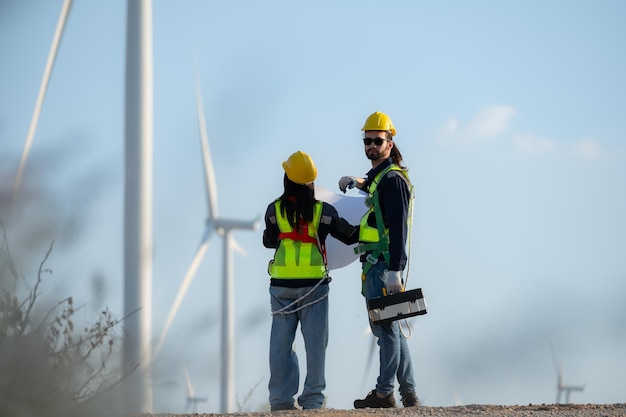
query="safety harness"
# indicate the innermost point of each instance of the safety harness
(376, 241)
(296, 246)
(299, 253)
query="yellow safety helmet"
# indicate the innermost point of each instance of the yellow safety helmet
(300, 168)
(379, 121)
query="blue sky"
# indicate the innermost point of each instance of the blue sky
(510, 116)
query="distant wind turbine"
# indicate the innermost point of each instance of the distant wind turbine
(56, 40)
(192, 400)
(561, 388)
(223, 227)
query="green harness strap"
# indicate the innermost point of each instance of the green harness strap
(382, 246)
(378, 248)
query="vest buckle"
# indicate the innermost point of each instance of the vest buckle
(371, 259)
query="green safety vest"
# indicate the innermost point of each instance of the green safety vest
(298, 254)
(376, 239)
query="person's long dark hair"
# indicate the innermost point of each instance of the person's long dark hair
(396, 156)
(297, 203)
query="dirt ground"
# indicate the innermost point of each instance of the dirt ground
(560, 410)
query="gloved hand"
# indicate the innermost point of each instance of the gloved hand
(394, 282)
(347, 182)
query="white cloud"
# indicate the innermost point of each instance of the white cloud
(587, 148)
(489, 122)
(495, 121)
(533, 144)
(451, 126)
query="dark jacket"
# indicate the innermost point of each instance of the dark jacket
(394, 196)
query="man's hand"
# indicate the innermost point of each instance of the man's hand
(394, 282)
(347, 182)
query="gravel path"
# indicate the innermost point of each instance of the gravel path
(562, 410)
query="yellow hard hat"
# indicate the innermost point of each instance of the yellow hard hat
(300, 168)
(379, 121)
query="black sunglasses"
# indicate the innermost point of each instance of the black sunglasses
(377, 141)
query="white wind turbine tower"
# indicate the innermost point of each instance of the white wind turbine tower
(137, 352)
(223, 227)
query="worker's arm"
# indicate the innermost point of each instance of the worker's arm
(270, 234)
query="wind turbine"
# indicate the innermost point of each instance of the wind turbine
(223, 227)
(561, 388)
(192, 400)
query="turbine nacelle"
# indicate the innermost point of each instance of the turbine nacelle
(226, 225)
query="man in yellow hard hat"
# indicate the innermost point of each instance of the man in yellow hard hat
(382, 244)
(296, 225)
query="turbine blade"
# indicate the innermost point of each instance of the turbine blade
(558, 365)
(189, 276)
(370, 357)
(236, 246)
(207, 161)
(188, 385)
(56, 40)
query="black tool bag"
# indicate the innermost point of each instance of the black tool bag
(397, 306)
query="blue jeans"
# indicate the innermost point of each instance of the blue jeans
(395, 357)
(284, 370)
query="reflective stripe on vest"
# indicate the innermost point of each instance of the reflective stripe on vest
(298, 255)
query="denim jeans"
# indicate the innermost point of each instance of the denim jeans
(395, 357)
(284, 370)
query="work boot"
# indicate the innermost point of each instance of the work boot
(410, 400)
(372, 401)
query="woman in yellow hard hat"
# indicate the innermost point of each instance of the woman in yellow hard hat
(296, 226)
